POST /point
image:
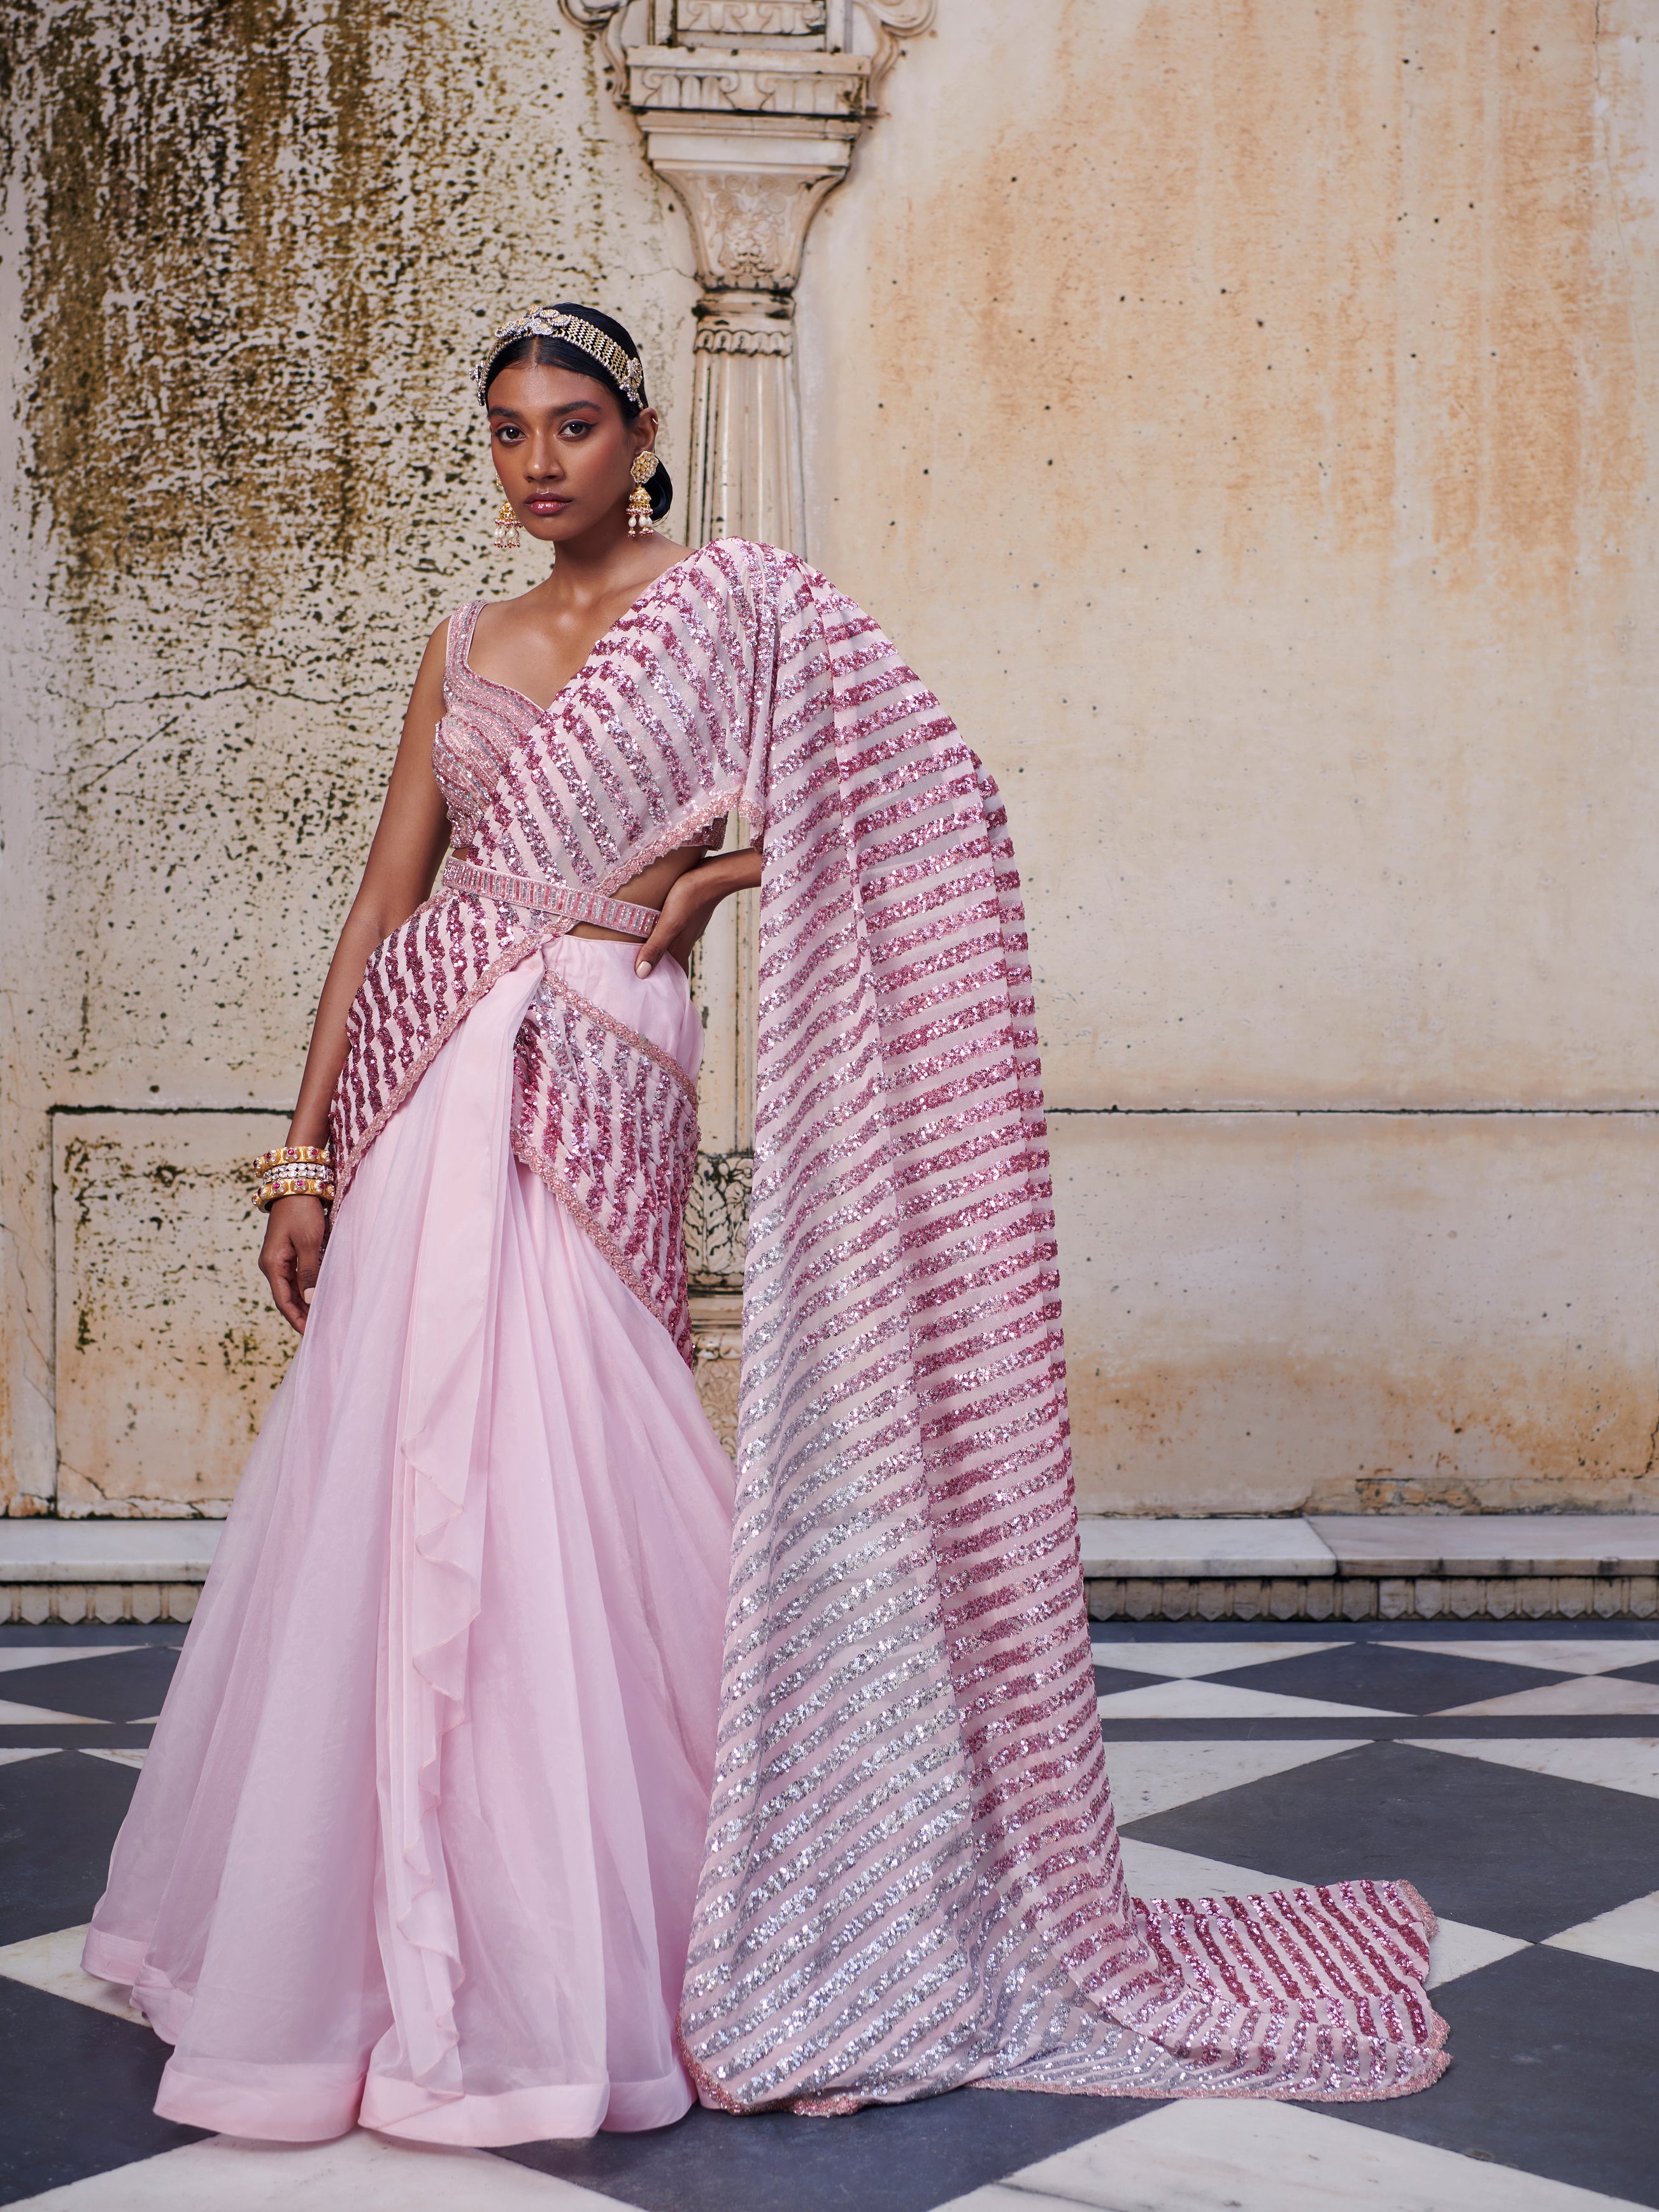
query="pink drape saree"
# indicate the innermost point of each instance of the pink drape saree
(909, 1877)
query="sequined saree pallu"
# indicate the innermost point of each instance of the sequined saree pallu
(912, 1878)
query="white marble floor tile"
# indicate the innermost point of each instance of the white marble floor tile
(13, 1655)
(117, 1758)
(1153, 1871)
(1558, 1655)
(1585, 1693)
(1250, 2157)
(1616, 1762)
(361, 2173)
(1151, 1777)
(52, 1963)
(1178, 1659)
(16, 1716)
(1222, 1701)
(1458, 1948)
(1629, 1935)
(44, 1750)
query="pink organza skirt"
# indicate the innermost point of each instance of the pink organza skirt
(417, 1843)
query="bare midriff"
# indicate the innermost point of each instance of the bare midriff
(648, 889)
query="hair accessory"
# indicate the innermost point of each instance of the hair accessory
(507, 527)
(294, 1172)
(622, 368)
(639, 523)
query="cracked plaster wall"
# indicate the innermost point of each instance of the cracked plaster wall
(250, 251)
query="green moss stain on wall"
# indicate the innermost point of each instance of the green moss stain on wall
(264, 243)
(240, 236)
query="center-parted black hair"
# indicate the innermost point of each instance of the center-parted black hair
(559, 353)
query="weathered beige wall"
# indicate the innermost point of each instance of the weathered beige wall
(1246, 415)
(1360, 1312)
(1243, 414)
(167, 1343)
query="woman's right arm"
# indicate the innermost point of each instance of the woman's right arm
(403, 860)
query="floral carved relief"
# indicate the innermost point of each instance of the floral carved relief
(749, 230)
(754, 19)
(683, 82)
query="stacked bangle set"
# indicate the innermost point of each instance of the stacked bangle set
(294, 1172)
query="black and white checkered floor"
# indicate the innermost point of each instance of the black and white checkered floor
(1513, 1773)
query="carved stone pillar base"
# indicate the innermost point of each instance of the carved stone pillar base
(717, 1329)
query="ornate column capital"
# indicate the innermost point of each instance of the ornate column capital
(751, 110)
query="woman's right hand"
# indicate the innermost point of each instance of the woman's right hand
(291, 1255)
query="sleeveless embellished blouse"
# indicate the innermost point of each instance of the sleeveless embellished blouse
(484, 725)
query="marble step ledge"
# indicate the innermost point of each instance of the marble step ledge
(1422, 1566)
(103, 1571)
(1338, 1566)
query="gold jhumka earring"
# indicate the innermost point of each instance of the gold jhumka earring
(507, 527)
(639, 523)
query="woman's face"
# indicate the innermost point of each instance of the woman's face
(561, 449)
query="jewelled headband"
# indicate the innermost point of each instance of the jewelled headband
(624, 370)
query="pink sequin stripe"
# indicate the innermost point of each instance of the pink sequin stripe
(418, 988)
(561, 899)
(609, 1120)
(480, 727)
(912, 1877)
(557, 987)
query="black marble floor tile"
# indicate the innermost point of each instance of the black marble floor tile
(79, 1634)
(1445, 1630)
(1320, 1727)
(1223, 1631)
(126, 1686)
(1648, 1673)
(1525, 1854)
(83, 1735)
(1110, 1678)
(1555, 2059)
(893, 2157)
(58, 1818)
(78, 2090)
(1399, 1681)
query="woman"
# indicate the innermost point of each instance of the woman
(517, 1780)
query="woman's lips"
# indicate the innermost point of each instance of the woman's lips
(547, 503)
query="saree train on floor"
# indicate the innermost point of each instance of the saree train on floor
(911, 1877)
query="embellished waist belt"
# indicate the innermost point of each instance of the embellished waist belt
(546, 898)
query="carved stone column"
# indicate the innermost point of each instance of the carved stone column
(751, 110)
(751, 179)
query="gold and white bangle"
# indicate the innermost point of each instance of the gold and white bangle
(294, 1172)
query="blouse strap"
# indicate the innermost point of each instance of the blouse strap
(462, 623)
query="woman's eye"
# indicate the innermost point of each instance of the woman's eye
(577, 429)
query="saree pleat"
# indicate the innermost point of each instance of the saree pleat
(416, 1841)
